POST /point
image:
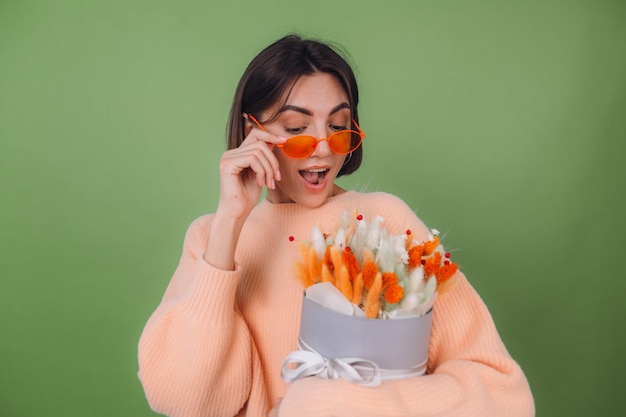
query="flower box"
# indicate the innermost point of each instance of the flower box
(368, 304)
(334, 344)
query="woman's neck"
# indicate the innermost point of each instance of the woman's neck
(275, 198)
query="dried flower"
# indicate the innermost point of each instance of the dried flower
(372, 303)
(351, 262)
(375, 270)
(357, 290)
(394, 294)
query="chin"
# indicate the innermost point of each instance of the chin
(303, 193)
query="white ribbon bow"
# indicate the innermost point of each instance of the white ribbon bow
(307, 362)
(303, 363)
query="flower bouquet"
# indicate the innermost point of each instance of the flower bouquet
(363, 288)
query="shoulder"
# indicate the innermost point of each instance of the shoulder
(387, 200)
(374, 198)
(383, 202)
(200, 223)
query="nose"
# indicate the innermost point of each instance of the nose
(322, 148)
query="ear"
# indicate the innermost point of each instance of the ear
(247, 124)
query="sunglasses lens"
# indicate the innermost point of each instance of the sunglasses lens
(299, 146)
(341, 142)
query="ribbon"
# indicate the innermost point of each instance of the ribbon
(307, 362)
(303, 363)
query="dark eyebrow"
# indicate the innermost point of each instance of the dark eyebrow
(341, 106)
(302, 110)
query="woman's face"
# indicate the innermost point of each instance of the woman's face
(317, 106)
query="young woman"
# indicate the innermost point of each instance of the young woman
(231, 312)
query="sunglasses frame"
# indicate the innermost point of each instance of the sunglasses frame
(317, 141)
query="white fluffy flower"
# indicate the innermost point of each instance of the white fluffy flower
(399, 246)
(374, 233)
(416, 280)
(340, 239)
(319, 243)
(410, 302)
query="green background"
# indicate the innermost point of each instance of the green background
(501, 123)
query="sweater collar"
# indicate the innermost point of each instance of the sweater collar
(295, 208)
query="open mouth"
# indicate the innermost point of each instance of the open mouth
(314, 176)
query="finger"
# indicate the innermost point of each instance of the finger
(263, 152)
(264, 171)
(257, 135)
(257, 158)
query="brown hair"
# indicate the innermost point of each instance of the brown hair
(271, 75)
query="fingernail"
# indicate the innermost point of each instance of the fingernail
(278, 175)
(272, 184)
(282, 138)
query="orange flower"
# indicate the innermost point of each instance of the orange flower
(350, 261)
(335, 256)
(313, 266)
(370, 269)
(328, 259)
(343, 282)
(394, 294)
(357, 290)
(445, 272)
(389, 279)
(369, 273)
(372, 304)
(303, 275)
(430, 245)
(432, 264)
(447, 285)
(327, 276)
(415, 256)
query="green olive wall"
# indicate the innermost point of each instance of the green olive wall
(501, 123)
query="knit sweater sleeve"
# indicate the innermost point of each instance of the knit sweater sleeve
(470, 373)
(196, 356)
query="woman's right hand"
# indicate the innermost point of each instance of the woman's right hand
(245, 170)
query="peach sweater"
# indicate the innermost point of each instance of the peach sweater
(215, 344)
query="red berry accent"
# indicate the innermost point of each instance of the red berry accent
(448, 255)
(446, 262)
(348, 249)
(408, 232)
(359, 217)
(423, 261)
(291, 238)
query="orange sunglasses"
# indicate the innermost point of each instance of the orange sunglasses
(302, 146)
